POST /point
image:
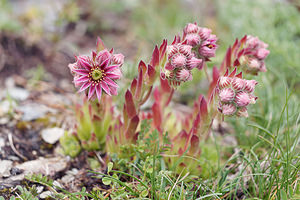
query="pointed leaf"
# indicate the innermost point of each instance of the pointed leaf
(100, 45)
(133, 124)
(155, 57)
(130, 107)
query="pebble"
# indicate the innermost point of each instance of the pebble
(5, 166)
(52, 135)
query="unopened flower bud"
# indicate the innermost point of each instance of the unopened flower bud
(192, 39)
(118, 59)
(183, 75)
(226, 95)
(224, 82)
(178, 60)
(204, 33)
(185, 49)
(191, 28)
(242, 99)
(238, 83)
(228, 109)
(250, 85)
(194, 62)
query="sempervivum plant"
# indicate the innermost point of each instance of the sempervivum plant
(101, 126)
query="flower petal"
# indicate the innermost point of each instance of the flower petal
(85, 86)
(81, 79)
(111, 68)
(110, 82)
(91, 91)
(105, 87)
(98, 92)
(112, 76)
(81, 71)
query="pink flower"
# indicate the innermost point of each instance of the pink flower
(96, 74)
(208, 47)
(226, 95)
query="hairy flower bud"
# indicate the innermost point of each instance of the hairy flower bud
(228, 109)
(194, 62)
(242, 99)
(183, 75)
(238, 83)
(178, 61)
(226, 95)
(191, 28)
(250, 85)
(204, 33)
(118, 59)
(224, 81)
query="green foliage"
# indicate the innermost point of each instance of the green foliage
(70, 144)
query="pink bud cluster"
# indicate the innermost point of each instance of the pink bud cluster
(254, 55)
(196, 47)
(98, 72)
(235, 94)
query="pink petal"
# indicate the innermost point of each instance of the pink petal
(112, 76)
(99, 92)
(113, 91)
(91, 91)
(110, 82)
(85, 86)
(81, 79)
(111, 68)
(81, 71)
(105, 87)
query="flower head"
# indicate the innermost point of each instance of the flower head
(97, 73)
(235, 94)
(255, 52)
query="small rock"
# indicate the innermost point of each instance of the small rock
(34, 111)
(52, 135)
(18, 93)
(45, 166)
(46, 194)
(5, 166)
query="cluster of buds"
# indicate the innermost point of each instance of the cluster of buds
(97, 73)
(195, 48)
(201, 39)
(249, 53)
(235, 94)
(254, 55)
